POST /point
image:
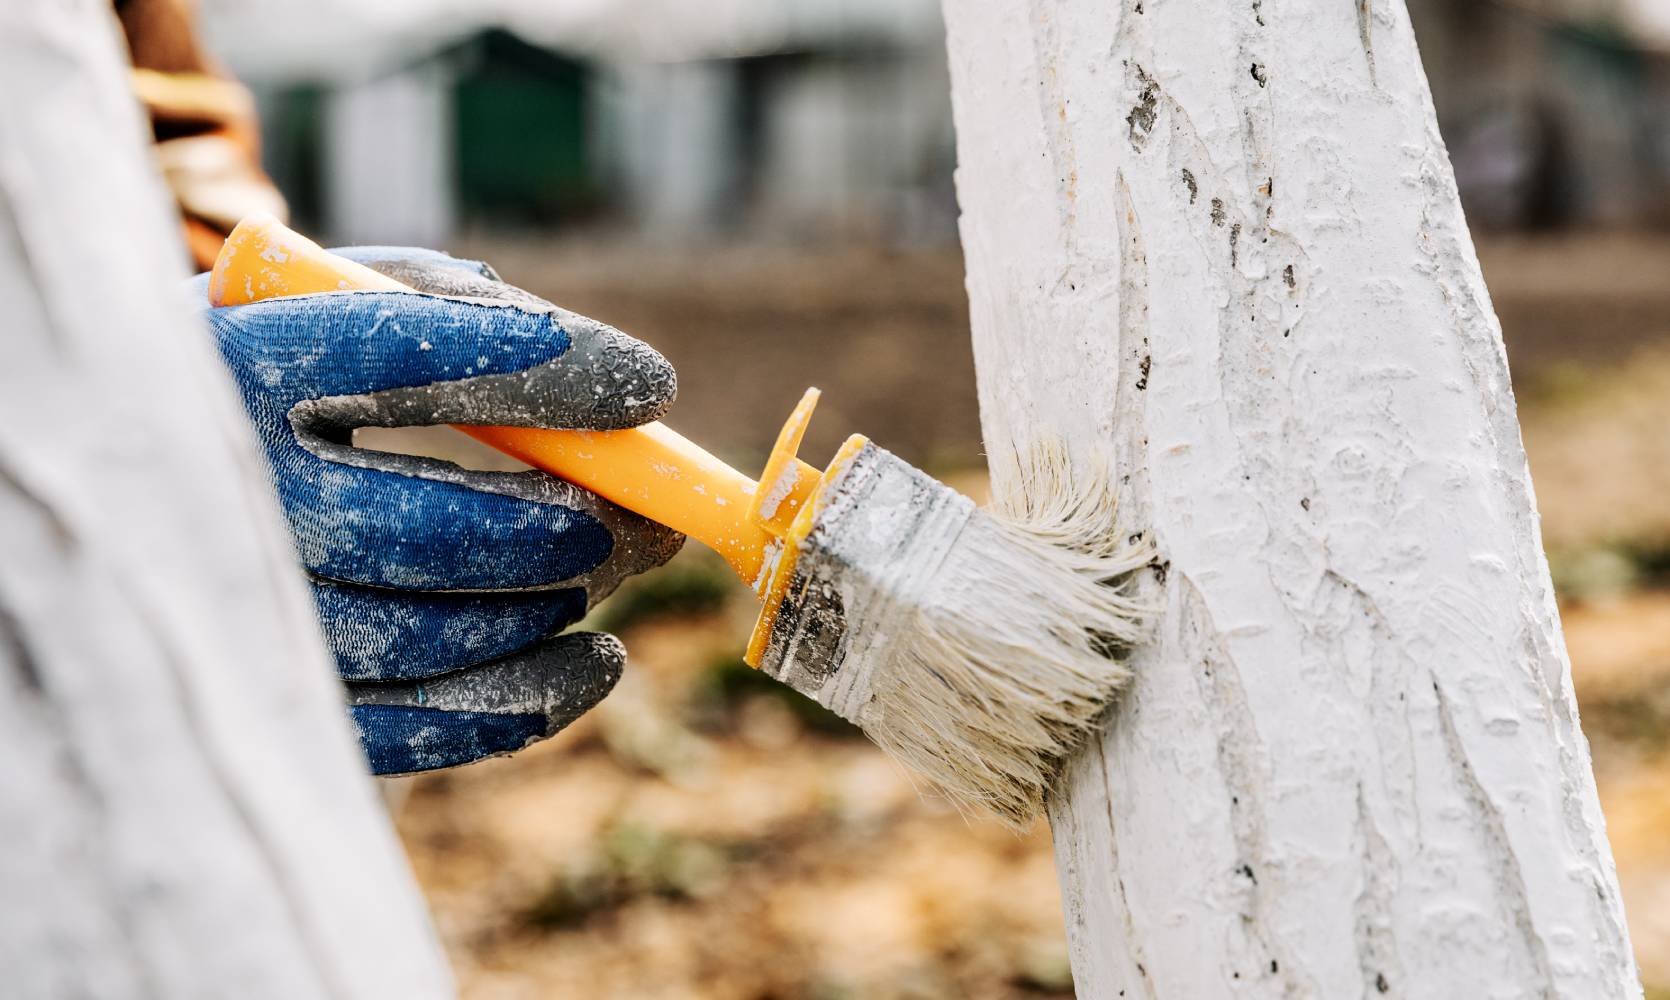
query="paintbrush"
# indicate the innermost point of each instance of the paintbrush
(977, 649)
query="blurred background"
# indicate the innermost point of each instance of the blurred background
(762, 189)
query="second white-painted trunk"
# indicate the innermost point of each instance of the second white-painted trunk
(183, 811)
(1219, 244)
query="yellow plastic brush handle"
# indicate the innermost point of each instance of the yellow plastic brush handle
(650, 470)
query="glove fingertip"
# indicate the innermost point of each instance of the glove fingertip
(486, 711)
(400, 739)
(623, 381)
(579, 671)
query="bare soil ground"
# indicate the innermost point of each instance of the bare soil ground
(705, 834)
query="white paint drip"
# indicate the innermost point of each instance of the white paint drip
(779, 491)
(768, 565)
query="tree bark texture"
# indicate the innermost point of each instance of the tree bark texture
(1218, 245)
(185, 813)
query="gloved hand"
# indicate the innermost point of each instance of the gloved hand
(441, 591)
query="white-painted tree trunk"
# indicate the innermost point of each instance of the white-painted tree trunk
(1219, 244)
(183, 813)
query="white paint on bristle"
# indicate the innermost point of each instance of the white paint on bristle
(978, 650)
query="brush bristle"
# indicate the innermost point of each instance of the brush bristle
(1009, 661)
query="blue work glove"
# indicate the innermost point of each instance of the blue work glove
(442, 590)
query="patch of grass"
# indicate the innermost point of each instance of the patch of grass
(1653, 562)
(695, 582)
(1045, 969)
(1586, 574)
(1607, 570)
(630, 862)
(727, 683)
(1642, 722)
(1560, 385)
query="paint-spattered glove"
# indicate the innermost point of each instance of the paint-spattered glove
(441, 591)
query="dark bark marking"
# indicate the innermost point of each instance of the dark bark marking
(1365, 32)
(1241, 761)
(1376, 942)
(1509, 878)
(1145, 112)
(1133, 942)
(48, 513)
(20, 655)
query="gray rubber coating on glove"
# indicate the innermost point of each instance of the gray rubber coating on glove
(561, 677)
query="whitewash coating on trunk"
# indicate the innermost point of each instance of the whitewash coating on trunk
(185, 814)
(1220, 243)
